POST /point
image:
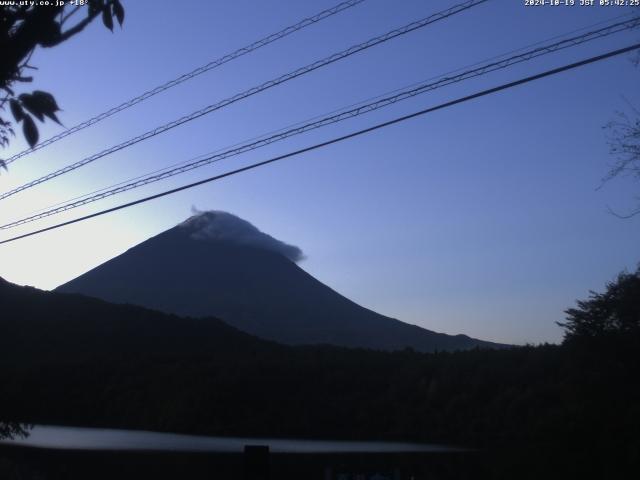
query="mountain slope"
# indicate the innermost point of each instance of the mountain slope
(218, 265)
(46, 327)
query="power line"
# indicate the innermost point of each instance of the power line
(194, 73)
(361, 102)
(337, 139)
(254, 90)
(328, 120)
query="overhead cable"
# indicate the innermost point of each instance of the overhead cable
(252, 91)
(358, 133)
(188, 76)
(328, 120)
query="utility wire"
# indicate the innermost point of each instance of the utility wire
(361, 102)
(254, 90)
(328, 120)
(358, 133)
(188, 76)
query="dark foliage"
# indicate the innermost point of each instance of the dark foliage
(616, 311)
(69, 359)
(12, 429)
(23, 28)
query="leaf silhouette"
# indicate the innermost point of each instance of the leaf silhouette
(16, 109)
(30, 130)
(94, 7)
(106, 18)
(46, 100)
(118, 11)
(33, 104)
(45, 104)
(53, 117)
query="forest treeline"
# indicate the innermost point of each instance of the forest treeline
(72, 360)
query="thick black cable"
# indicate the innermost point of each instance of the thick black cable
(381, 102)
(255, 90)
(188, 76)
(356, 104)
(451, 103)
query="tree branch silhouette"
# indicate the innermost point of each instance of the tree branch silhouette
(23, 28)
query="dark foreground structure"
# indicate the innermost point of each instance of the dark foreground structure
(32, 463)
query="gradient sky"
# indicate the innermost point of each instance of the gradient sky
(481, 219)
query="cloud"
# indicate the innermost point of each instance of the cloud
(226, 227)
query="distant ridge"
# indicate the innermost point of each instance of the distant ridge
(47, 328)
(216, 264)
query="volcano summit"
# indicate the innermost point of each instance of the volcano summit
(216, 264)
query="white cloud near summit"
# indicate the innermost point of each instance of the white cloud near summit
(226, 227)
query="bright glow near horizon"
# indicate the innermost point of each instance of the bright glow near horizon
(482, 219)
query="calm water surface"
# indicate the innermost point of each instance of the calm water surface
(43, 436)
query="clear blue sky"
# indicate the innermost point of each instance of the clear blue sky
(482, 219)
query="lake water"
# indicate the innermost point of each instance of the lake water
(75, 438)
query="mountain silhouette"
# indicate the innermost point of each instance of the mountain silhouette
(216, 264)
(46, 328)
